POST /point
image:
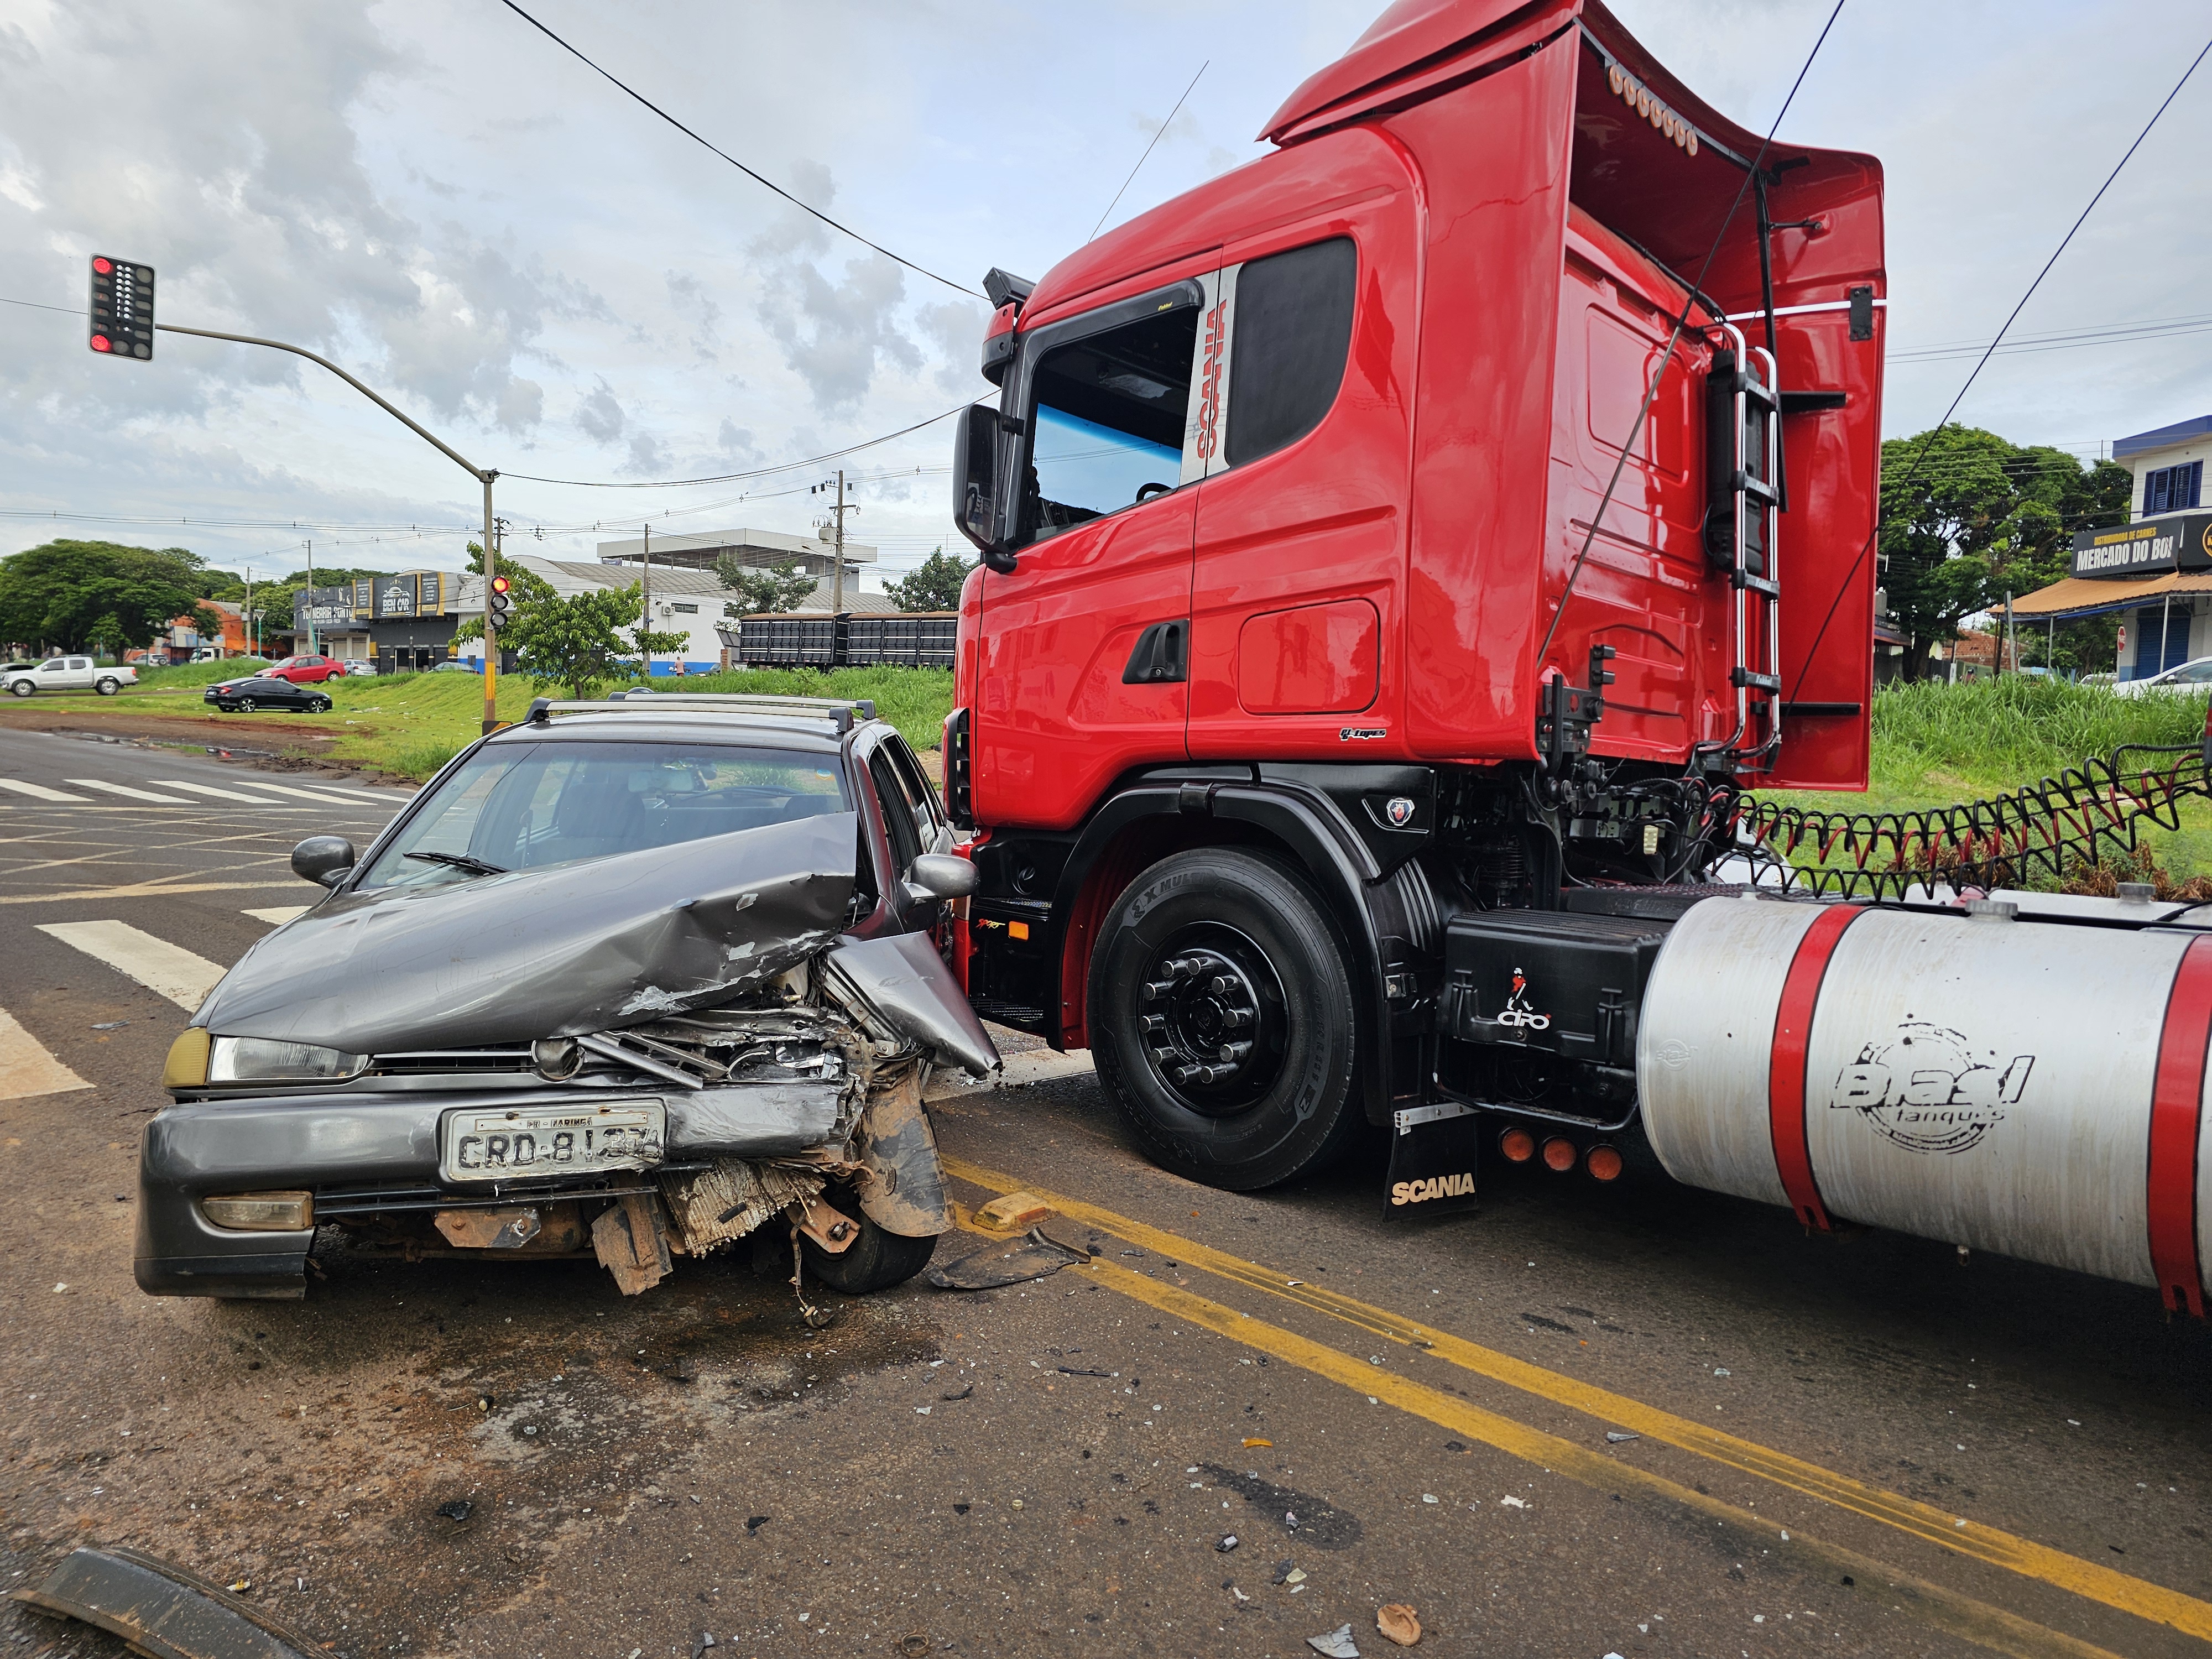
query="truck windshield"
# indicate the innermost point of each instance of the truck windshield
(1109, 419)
(525, 805)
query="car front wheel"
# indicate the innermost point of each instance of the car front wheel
(21, 688)
(875, 1261)
(320, 705)
(1221, 1021)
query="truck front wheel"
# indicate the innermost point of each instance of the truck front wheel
(1220, 1017)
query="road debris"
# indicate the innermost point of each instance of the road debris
(1336, 1644)
(1251, 1444)
(1399, 1624)
(705, 1640)
(1228, 1542)
(111, 1025)
(1722, 1370)
(458, 1510)
(991, 1269)
(1512, 1503)
(159, 1608)
(1313, 1520)
(1012, 1212)
(960, 1393)
(1620, 1437)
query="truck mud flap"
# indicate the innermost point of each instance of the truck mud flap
(1432, 1158)
(159, 1609)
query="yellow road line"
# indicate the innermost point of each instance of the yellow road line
(2139, 1596)
(1946, 1610)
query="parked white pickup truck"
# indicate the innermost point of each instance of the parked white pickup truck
(69, 674)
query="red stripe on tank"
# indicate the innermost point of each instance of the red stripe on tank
(2177, 1099)
(1785, 1073)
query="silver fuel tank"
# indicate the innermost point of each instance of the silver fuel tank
(2031, 1088)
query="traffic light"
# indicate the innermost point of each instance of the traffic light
(121, 307)
(502, 601)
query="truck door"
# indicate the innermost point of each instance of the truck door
(1083, 650)
(1298, 590)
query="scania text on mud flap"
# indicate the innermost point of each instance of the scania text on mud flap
(630, 979)
(1399, 555)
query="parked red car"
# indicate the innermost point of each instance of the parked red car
(305, 671)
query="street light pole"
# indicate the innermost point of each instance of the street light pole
(308, 593)
(485, 475)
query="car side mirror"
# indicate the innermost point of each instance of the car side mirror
(975, 485)
(325, 861)
(941, 876)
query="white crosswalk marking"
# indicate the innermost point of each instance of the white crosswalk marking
(128, 792)
(387, 799)
(277, 913)
(155, 963)
(25, 1067)
(287, 789)
(39, 792)
(208, 789)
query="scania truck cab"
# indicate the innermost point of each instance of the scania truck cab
(1397, 554)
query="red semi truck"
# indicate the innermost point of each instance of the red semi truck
(1303, 790)
(1397, 556)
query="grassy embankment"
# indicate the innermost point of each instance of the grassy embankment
(413, 724)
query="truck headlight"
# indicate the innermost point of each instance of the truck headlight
(262, 1212)
(264, 1060)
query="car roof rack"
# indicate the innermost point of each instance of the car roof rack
(841, 713)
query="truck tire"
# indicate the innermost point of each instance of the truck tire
(875, 1261)
(1221, 1024)
(107, 685)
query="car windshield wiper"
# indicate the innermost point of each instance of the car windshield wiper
(459, 861)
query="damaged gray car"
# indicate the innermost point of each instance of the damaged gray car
(628, 980)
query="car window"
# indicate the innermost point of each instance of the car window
(79, 664)
(518, 807)
(1293, 332)
(53, 665)
(914, 785)
(898, 811)
(2198, 673)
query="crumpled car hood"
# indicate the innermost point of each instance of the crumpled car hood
(556, 952)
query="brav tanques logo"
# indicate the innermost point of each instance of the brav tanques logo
(1927, 1091)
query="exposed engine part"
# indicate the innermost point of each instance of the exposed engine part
(718, 1206)
(1938, 1072)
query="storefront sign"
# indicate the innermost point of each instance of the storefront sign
(395, 596)
(2175, 541)
(323, 607)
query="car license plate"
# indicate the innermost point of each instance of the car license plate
(542, 1142)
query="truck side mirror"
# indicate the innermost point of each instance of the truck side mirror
(324, 860)
(941, 876)
(975, 485)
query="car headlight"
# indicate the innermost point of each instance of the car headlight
(264, 1060)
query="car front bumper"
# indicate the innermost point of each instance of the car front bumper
(360, 1153)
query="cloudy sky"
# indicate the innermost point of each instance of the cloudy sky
(433, 194)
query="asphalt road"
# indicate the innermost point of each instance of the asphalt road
(1857, 1445)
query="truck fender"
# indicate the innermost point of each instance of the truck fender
(1383, 922)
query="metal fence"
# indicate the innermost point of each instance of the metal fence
(904, 640)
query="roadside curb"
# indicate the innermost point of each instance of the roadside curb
(1021, 1069)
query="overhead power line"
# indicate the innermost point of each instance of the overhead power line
(733, 477)
(1156, 138)
(1982, 363)
(2064, 340)
(842, 229)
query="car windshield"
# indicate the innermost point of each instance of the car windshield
(526, 806)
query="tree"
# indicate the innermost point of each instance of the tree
(760, 592)
(1976, 517)
(581, 640)
(69, 594)
(932, 585)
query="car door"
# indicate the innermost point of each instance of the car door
(1081, 649)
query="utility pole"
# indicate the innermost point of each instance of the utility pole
(308, 594)
(645, 624)
(249, 610)
(837, 536)
(485, 474)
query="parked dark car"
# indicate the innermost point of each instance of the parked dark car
(627, 981)
(256, 691)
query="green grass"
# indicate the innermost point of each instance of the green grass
(193, 676)
(915, 700)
